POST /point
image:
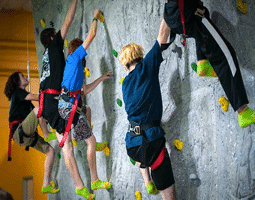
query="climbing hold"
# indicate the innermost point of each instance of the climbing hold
(101, 17)
(92, 124)
(224, 103)
(74, 143)
(52, 24)
(138, 195)
(59, 156)
(119, 102)
(204, 68)
(42, 22)
(194, 66)
(192, 176)
(132, 161)
(121, 80)
(114, 53)
(66, 43)
(178, 144)
(87, 72)
(243, 7)
(107, 151)
(53, 183)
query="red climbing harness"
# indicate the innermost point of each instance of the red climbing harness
(70, 120)
(159, 159)
(181, 8)
(10, 137)
(42, 92)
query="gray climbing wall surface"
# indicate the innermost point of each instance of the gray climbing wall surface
(216, 149)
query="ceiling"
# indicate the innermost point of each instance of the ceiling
(16, 5)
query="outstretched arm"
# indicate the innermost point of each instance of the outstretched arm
(88, 88)
(69, 18)
(92, 30)
(164, 32)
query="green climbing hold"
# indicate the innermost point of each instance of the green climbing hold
(51, 24)
(194, 66)
(59, 156)
(132, 161)
(119, 102)
(114, 53)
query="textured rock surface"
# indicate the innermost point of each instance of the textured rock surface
(216, 149)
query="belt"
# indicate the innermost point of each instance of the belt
(10, 137)
(42, 92)
(70, 120)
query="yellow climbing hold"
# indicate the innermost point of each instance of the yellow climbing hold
(87, 72)
(66, 43)
(138, 195)
(107, 151)
(74, 143)
(224, 103)
(42, 22)
(91, 125)
(178, 144)
(53, 183)
(101, 17)
(121, 80)
(243, 7)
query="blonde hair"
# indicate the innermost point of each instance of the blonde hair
(130, 54)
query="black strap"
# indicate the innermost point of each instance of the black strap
(145, 126)
(23, 134)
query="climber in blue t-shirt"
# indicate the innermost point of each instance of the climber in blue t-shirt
(145, 139)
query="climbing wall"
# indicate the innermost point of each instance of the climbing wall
(216, 150)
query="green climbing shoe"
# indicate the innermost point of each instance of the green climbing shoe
(204, 68)
(246, 118)
(49, 190)
(85, 193)
(51, 136)
(101, 145)
(151, 188)
(98, 184)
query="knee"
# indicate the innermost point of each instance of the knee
(91, 142)
(50, 151)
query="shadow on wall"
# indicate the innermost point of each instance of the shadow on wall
(108, 101)
(177, 128)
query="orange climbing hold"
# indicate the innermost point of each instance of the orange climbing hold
(42, 22)
(243, 7)
(101, 17)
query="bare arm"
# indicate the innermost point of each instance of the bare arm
(88, 88)
(32, 97)
(164, 32)
(92, 31)
(69, 18)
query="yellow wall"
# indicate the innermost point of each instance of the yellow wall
(13, 57)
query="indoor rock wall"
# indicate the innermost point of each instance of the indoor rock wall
(216, 149)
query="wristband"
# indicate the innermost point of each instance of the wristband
(94, 19)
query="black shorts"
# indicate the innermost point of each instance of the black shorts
(163, 175)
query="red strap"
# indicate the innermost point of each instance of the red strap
(42, 92)
(10, 137)
(159, 159)
(70, 120)
(181, 8)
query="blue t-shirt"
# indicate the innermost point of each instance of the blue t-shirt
(142, 96)
(73, 74)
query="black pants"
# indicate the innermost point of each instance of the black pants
(208, 48)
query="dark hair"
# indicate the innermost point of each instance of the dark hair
(12, 85)
(46, 35)
(73, 45)
(137, 60)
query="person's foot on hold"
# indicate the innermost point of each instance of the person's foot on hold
(204, 68)
(98, 184)
(49, 190)
(51, 136)
(85, 193)
(246, 117)
(151, 188)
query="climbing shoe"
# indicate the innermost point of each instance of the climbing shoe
(243, 7)
(246, 118)
(98, 184)
(101, 145)
(85, 193)
(151, 188)
(49, 190)
(204, 68)
(51, 136)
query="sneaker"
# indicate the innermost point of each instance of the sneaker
(151, 188)
(85, 193)
(204, 68)
(98, 184)
(246, 118)
(51, 136)
(49, 190)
